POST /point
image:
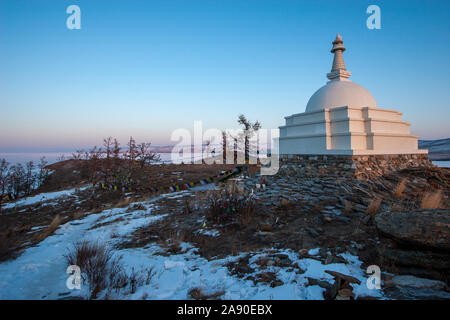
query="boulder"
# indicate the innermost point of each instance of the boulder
(341, 276)
(426, 227)
(415, 282)
(427, 260)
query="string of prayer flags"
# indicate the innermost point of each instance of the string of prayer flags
(224, 175)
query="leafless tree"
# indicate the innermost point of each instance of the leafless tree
(78, 155)
(131, 156)
(16, 184)
(94, 164)
(116, 149)
(29, 177)
(43, 173)
(132, 151)
(107, 162)
(116, 160)
(81, 158)
(4, 178)
(145, 155)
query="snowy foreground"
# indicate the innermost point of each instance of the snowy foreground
(40, 271)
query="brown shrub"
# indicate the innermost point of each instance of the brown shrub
(104, 271)
(431, 200)
(229, 206)
(93, 259)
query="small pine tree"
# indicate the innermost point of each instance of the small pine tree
(249, 130)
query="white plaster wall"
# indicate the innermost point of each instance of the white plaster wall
(308, 117)
(347, 130)
(357, 125)
(307, 129)
(383, 114)
(339, 127)
(382, 126)
(394, 143)
(305, 145)
(338, 113)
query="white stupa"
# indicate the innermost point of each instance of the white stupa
(342, 118)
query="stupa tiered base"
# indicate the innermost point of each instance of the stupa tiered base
(348, 131)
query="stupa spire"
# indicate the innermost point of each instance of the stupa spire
(338, 70)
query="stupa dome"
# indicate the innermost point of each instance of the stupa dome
(340, 91)
(340, 94)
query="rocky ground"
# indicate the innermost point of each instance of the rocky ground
(399, 222)
(373, 220)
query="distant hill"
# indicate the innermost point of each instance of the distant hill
(437, 149)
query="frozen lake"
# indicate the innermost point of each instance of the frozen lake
(53, 157)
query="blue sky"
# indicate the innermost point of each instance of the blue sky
(145, 68)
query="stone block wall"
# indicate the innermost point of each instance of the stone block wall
(361, 167)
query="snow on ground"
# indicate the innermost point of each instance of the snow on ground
(210, 232)
(46, 196)
(40, 272)
(177, 274)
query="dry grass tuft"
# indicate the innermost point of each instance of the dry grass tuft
(431, 200)
(398, 192)
(373, 207)
(136, 207)
(97, 210)
(6, 244)
(50, 229)
(77, 215)
(122, 203)
(347, 207)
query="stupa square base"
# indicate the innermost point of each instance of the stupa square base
(359, 166)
